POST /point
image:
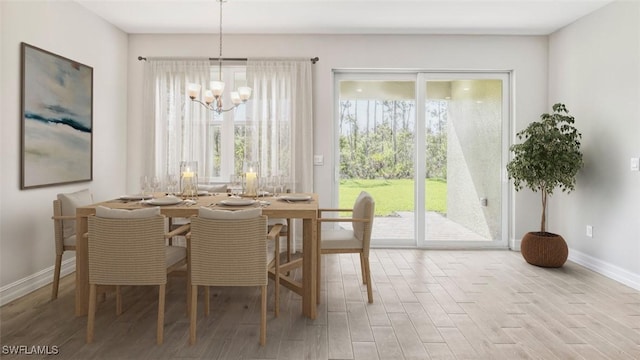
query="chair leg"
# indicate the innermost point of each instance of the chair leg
(161, 297)
(364, 277)
(276, 292)
(319, 270)
(188, 277)
(192, 315)
(118, 301)
(56, 277)
(207, 293)
(263, 315)
(367, 271)
(288, 240)
(91, 316)
(289, 243)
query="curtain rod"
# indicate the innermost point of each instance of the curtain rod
(313, 60)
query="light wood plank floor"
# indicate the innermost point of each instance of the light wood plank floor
(428, 304)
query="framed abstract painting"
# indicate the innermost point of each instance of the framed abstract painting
(57, 119)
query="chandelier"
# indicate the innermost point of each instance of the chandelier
(213, 96)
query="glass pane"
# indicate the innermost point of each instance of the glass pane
(376, 139)
(213, 159)
(463, 160)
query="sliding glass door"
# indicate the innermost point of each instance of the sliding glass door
(464, 139)
(376, 137)
(436, 168)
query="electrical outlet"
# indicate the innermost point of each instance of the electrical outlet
(635, 164)
(589, 231)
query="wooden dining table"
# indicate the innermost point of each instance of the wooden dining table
(275, 207)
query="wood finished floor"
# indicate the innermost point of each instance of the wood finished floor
(427, 305)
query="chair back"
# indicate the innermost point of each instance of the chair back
(127, 251)
(57, 227)
(228, 252)
(364, 208)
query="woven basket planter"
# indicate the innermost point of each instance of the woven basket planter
(544, 249)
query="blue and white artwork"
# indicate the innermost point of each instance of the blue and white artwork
(57, 101)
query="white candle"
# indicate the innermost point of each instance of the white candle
(252, 183)
(188, 185)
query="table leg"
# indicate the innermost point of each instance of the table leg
(309, 267)
(82, 267)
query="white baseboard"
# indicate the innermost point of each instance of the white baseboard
(31, 283)
(514, 244)
(606, 269)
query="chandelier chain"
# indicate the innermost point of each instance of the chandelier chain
(220, 37)
(213, 97)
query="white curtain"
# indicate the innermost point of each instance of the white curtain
(174, 128)
(281, 123)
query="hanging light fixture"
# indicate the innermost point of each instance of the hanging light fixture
(213, 96)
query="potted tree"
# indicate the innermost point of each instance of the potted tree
(548, 158)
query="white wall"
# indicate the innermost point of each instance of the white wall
(26, 231)
(526, 56)
(595, 70)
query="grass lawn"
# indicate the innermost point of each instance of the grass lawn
(394, 195)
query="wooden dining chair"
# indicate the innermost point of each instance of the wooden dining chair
(127, 247)
(229, 248)
(177, 222)
(64, 228)
(286, 227)
(344, 241)
(285, 232)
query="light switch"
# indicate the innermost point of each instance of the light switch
(318, 160)
(635, 164)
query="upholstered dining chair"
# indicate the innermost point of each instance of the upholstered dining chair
(64, 228)
(285, 232)
(229, 248)
(176, 222)
(343, 241)
(286, 225)
(127, 247)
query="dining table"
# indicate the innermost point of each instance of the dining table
(290, 206)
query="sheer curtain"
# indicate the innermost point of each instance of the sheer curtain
(281, 123)
(174, 129)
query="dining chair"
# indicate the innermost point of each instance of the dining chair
(64, 228)
(127, 247)
(285, 232)
(176, 222)
(343, 241)
(286, 224)
(229, 248)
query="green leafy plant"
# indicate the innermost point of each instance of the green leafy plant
(549, 157)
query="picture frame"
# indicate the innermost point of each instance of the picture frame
(56, 119)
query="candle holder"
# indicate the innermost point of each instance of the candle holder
(250, 178)
(189, 179)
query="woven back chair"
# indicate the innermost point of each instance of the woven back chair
(62, 244)
(344, 241)
(229, 252)
(64, 227)
(130, 252)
